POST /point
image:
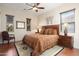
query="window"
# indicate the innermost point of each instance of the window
(9, 23)
(68, 17)
(28, 24)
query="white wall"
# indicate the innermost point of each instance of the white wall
(42, 18)
(0, 19)
(0, 25)
(18, 16)
(56, 18)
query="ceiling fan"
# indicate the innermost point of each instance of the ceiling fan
(34, 6)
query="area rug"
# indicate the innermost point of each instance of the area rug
(25, 50)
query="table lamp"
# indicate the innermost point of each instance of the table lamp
(65, 29)
(38, 28)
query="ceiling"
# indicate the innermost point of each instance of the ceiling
(22, 6)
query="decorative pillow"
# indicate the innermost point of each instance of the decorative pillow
(46, 31)
(50, 31)
(42, 31)
(54, 31)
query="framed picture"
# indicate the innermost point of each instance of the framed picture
(49, 20)
(20, 25)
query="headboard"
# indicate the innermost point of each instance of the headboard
(52, 27)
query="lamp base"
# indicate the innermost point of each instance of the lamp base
(65, 34)
(37, 30)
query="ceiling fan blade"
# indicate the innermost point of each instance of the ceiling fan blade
(40, 7)
(29, 4)
(30, 9)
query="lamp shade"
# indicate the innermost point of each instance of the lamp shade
(38, 28)
(66, 25)
(65, 29)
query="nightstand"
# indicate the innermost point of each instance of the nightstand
(65, 41)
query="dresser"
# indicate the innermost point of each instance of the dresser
(65, 41)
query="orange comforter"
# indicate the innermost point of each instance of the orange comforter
(40, 42)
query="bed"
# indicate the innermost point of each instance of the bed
(43, 40)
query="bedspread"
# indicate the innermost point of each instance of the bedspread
(40, 42)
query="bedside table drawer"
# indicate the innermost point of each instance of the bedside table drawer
(65, 41)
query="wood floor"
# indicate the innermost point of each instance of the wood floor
(69, 52)
(10, 50)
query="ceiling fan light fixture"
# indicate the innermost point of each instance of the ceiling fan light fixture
(35, 8)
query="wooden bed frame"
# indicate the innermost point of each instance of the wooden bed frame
(52, 27)
(35, 43)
